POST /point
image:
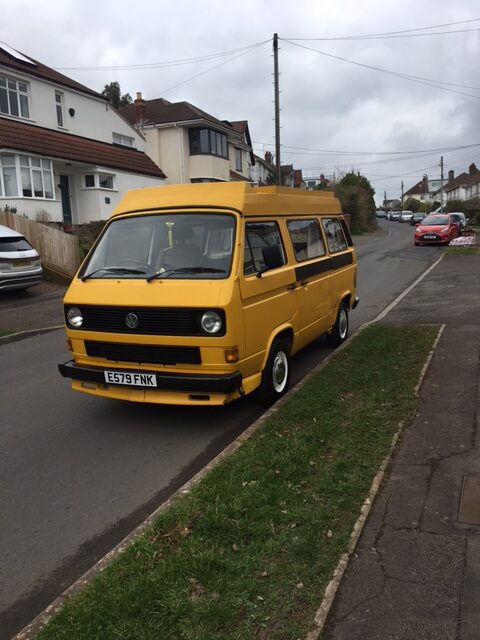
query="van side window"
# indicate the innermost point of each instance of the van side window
(306, 239)
(334, 233)
(259, 235)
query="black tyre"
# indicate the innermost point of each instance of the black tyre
(276, 375)
(339, 332)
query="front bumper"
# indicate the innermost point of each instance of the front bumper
(189, 383)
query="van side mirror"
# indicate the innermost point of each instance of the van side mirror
(273, 258)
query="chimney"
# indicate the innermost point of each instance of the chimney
(472, 169)
(139, 108)
(268, 157)
(451, 175)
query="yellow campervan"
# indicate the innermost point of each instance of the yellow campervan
(200, 293)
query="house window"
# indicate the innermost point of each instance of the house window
(105, 181)
(125, 141)
(99, 181)
(59, 107)
(8, 175)
(13, 97)
(238, 159)
(33, 174)
(36, 176)
(209, 142)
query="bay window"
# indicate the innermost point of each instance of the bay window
(25, 176)
(208, 142)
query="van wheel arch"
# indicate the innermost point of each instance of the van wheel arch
(276, 372)
(339, 332)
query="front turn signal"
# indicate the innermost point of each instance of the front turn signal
(231, 355)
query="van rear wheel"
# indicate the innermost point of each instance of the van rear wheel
(276, 375)
(339, 332)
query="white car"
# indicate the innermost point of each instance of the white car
(405, 216)
(20, 265)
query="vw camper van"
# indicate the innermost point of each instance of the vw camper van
(201, 293)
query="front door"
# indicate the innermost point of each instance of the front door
(65, 195)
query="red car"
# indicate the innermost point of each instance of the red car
(436, 229)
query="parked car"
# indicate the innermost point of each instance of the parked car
(394, 215)
(405, 216)
(459, 217)
(20, 265)
(436, 229)
(381, 214)
(417, 217)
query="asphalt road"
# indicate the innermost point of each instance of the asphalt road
(77, 473)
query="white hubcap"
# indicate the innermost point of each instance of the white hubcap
(280, 372)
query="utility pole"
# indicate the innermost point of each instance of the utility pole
(402, 195)
(441, 184)
(278, 166)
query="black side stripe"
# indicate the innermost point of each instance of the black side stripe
(322, 266)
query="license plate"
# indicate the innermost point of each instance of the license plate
(22, 263)
(430, 236)
(131, 379)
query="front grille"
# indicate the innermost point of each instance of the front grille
(152, 354)
(151, 320)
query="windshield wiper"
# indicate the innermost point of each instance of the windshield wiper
(166, 273)
(121, 270)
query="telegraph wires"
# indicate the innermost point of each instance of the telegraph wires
(404, 33)
(168, 63)
(419, 80)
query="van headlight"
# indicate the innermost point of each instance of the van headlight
(74, 317)
(211, 322)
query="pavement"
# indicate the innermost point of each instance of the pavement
(415, 572)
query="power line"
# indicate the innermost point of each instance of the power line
(392, 33)
(165, 64)
(405, 76)
(383, 37)
(374, 153)
(198, 75)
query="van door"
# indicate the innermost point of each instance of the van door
(269, 301)
(312, 278)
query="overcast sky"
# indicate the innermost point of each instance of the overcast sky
(327, 105)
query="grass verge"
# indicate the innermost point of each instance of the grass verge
(248, 552)
(461, 251)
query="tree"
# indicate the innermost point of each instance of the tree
(412, 204)
(113, 94)
(356, 196)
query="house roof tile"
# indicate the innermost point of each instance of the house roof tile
(238, 176)
(41, 71)
(20, 136)
(160, 111)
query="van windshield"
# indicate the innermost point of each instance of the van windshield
(193, 246)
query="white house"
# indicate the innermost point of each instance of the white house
(263, 172)
(65, 153)
(191, 145)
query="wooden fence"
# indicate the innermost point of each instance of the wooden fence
(59, 251)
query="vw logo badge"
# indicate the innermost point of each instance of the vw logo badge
(131, 320)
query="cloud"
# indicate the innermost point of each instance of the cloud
(326, 103)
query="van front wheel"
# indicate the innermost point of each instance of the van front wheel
(276, 375)
(339, 332)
